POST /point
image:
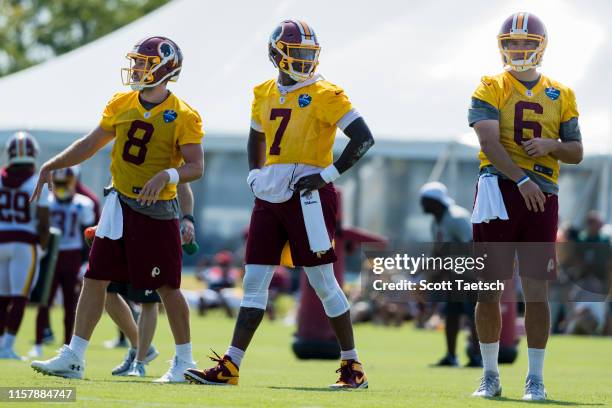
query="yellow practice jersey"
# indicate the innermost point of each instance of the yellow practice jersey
(525, 114)
(300, 126)
(148, 141)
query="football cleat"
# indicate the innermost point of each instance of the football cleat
(36, 351)
(352, 376)
(9, 354)
(475, 362)
(175, 372)
(124, 368)
(117, 343)
(137, 369)
(534, 389)
(66, 364)
(447, 361)
(489, 387)
(48, 337)
(224, 373)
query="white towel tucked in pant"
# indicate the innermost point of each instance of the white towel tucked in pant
(489, 201)
(318, 238)
(111, 220)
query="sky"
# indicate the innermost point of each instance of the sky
(409, 67)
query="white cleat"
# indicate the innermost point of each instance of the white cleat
(9, 354)
(137, 369)
(534, 389)
(124, 368)
(66, 364)
(175, 373)
(36, 352)
(489, 387)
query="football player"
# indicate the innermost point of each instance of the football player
(157, 144)
(526, 124)
(293, 126)
(140, 333)
(71, 213)
(24, 230)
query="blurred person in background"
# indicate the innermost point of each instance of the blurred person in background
(71, 213)
(24, 233)
(588, 314)
(451, 224)
(219, 276)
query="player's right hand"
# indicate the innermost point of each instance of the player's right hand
(44, 177)
(89, 234)
(533, 196)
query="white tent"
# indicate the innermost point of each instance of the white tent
(408, 66)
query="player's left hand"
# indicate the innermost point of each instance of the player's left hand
(187, 231)
(538, 146)
(150, 192)
(310, 183)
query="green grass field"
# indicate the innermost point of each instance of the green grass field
(578, 371)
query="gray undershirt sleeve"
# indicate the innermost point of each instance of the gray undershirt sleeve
(481, 110)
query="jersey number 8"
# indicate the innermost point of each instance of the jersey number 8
(134, 144)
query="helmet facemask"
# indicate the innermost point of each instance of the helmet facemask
(64, 184)
(521, 52)
(299, 61)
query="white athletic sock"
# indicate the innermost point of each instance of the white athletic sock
(9, 341)
(536, 362)
(489, 353)
(78, 346)
(349, 355)
(236, 355)
(183, 352)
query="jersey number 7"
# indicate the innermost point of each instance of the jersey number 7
(285, 115)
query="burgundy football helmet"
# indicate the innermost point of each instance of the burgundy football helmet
(293, 48)
(21, 148)
(64, 183)
(152, 61)
(522, 40)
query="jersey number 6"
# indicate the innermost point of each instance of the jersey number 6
(520, 124)
(140, 144)
(285, 115)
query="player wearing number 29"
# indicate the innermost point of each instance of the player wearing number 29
(71, 213)
(526, 123)
(293, 126)
(23, 227)
(157, 144)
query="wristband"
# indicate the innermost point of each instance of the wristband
(330, 173)
(174, 176)
(522, 181)
(189, 217)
